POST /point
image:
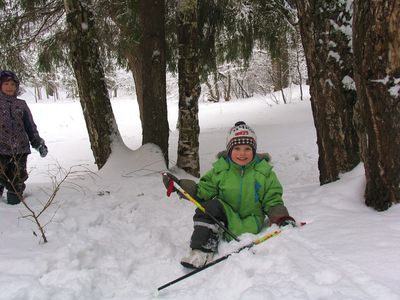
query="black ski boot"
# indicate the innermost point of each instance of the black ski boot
(12, 198)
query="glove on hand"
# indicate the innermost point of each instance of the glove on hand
(42, 150)
(285, 221)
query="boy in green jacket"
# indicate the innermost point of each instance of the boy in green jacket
(239, 191)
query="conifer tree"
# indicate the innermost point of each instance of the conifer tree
(85, 60)
(376, 42)
(329, 57)
(153, 74)
(189, 87)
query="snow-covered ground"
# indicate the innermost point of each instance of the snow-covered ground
(114, 234)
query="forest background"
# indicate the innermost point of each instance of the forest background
(350, 49)
(112, 234)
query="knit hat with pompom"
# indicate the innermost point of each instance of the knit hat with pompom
(241, 134)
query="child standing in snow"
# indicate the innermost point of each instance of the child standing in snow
(17, 129)
(239, 191)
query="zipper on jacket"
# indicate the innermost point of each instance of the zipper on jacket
(241, 187)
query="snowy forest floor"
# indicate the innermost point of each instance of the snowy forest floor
(113, 234)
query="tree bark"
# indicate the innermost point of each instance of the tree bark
(329, 62)
(189, 87)
(153, 74)
(280, 66)
(376, 42)
(134, 44)
(89, 74)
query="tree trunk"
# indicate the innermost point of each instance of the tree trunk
(227, 88)
(135, 66)
(280, 66)
(153, 74)
(136, 42)
(329, 62)
(299, 56)
(377, 76)
(189, 87)
(38, 94)
(216, 86)
(129, 48)
(89, 74)
(211, 96)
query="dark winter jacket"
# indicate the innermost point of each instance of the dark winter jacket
(17, 127)
(247, 193)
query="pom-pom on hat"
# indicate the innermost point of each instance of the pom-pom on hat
(241, 134)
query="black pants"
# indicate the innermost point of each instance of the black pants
(13, 172)
(206, 234)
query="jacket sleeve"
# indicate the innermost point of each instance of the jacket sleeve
(272, 202)
(31, 129)
(207, 187)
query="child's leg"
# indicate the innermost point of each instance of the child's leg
(206, 234)
(22, 173)
(17, 175)
(4, 162)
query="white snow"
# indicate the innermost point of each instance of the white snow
(349, 83)
(115, 235)
(334, 55)
(394, 91)
(84, 26)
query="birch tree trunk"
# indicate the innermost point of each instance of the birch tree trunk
(89, 74)
(189, 87)
(329, 59)
(377, 75)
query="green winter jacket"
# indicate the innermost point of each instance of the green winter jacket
(247, 193)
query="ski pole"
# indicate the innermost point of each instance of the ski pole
(173, 183)
(222, 258)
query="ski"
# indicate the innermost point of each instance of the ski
(222, 258)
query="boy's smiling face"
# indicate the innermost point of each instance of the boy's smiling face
(242, 154)
(9, 87)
